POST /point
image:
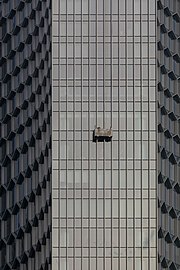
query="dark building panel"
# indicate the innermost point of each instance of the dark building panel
(168, 32)
(25, 134)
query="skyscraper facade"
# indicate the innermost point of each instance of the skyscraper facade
(104, 191)
(109, 154)
(168, 57)
(25, 134)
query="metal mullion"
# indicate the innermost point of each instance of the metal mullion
(149, 260)
(59, 133)
(141, 85)
(81, 130)
(111, 141)
(104, 179)
(89, 146)
(74, 169)
(134, 157)
(66, 134)
(126, 87)
(119, 149)
(96, 68)
(96, 146)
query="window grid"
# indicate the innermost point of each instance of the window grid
(104, 75)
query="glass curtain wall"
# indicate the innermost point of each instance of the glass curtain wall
(104, 193)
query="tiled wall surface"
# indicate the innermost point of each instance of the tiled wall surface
(104, 193)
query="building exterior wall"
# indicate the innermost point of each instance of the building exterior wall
(25, 134)
(104, 193)
(168, 33)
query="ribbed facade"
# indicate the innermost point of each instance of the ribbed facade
(168, 37)
(25, 134)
